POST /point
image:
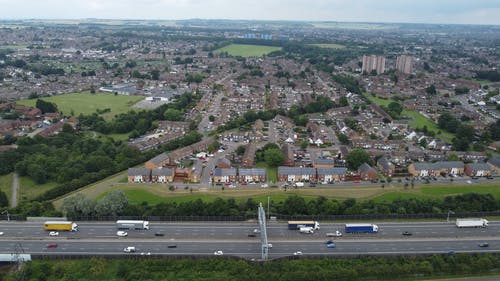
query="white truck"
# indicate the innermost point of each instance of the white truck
(472, 222)
(307, 230)
(132, 224)
(299, 184)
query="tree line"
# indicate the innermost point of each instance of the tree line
(354, 268)
(293, 205)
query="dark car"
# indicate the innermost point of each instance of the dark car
(329, 242)
(159, 234)
(252, 235)
(172, 246)
(407, 233)
(312, 185)
(484, 245)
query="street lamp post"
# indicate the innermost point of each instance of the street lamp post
(448, 216)
(8, 215)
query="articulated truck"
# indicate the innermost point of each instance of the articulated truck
(130, 224)
(361, 227)
(294, 225)
(60, 226)
(472, 222)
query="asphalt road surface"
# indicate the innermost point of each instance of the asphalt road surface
(204, 238)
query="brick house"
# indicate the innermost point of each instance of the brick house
(323, 163)
(386, 167)
(139, 175)
(249, 155)
(329, 175)
(223, 163)
(162, 175)
(295, 174)
(252, 175)
(477, 170)
(225, 175)
(367, 172)
(160, 160)
(287, 150)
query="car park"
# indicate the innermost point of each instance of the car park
(407, 233)
(129, 249)
(53, 233)
(218, 253)
(122, 233)
(484, 244)
(52, 245)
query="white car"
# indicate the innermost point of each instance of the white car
(1, 233)
(298, 253)
(218, 253)
(256, 230)
(121, 233)
(129, 249)
(53, 233)
(269, 245)
(337, 233)
(264, 185)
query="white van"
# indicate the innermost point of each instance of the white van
(129, 249)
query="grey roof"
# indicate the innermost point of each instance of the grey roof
(160, 158)
(162, 172)
(224, 160)
(364, 168)
(139, 172)
(495, 161)
(322, 161)
(332, 171)
(450, 164)
(282, 170)
(225, 172)
(421, 166)
(384, 162)
(252, 172)
(479, 166)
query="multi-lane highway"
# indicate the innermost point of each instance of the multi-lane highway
(232, 239)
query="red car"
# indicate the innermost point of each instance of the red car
(51, 246)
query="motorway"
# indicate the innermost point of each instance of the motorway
(232, 238)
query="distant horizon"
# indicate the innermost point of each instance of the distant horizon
(247, 20)
(467, 12)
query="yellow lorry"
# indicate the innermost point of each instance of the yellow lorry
(60, 226)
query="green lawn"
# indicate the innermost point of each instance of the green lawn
(247, 50)
(329, 46)
(28, 189)
(455, 190)
(87, 103)
(272, 173)
(6, 185)
(391, 196)
(416, 119)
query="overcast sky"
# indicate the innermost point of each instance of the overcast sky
(415, 11)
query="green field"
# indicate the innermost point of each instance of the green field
(247, 50)
(329, 46)
(416, 119)
(87, 103)
(28, 189)
(6, 185)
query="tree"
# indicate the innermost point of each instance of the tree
(357, 157)
(4, 202)
(46, 106)
(274, 157)
(172, 114)
(343, 139)
(304, 144)
(214, 146)
(240, 150)
(113, 204)
(431, 90)
(394, 109)
(211, 118)
(423, 142)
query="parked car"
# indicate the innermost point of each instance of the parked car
(407, 233)
(121, 233)
(218, 253)
(52, 245)
(264, 185)
(484, 244)
(53, 233)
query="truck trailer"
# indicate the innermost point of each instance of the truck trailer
(294, 225)
(131, 224)
(60, 226)
(472, 222)
(361, 227)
